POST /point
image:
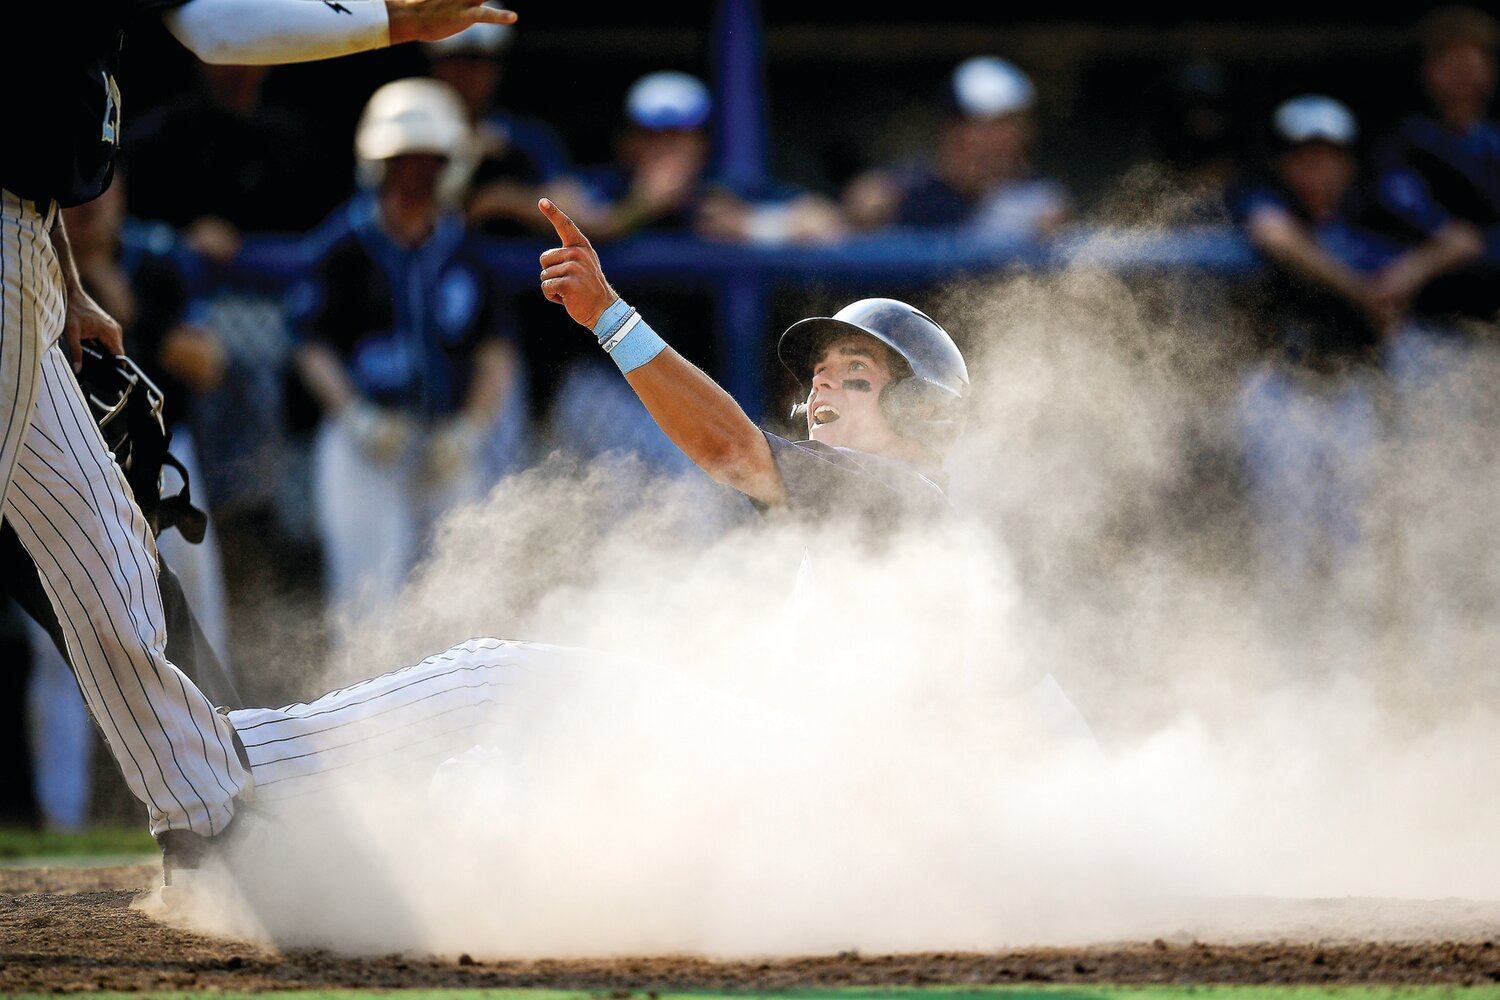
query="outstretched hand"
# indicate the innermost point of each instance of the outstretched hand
(571, 275)
(434, 20)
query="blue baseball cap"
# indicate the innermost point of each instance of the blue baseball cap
(988, 87)
(1315, 118)
(669, 100)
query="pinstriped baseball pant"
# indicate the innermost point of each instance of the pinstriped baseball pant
(73, 511)
(407, 720)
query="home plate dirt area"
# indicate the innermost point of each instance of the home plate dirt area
(75, 929)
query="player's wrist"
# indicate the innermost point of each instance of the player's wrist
(610, 319)
(626, 337)
(400, 21)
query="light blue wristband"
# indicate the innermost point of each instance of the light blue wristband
(626, 337)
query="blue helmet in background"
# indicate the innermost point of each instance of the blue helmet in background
(928, 401)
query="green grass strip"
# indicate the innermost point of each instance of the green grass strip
(894, 993)
(18, 843)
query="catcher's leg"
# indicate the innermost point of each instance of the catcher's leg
(72, 510)
(412, 718)
(187, 647)
(31, 316)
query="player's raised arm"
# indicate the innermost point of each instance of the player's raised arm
(268, 32)
(690, 408)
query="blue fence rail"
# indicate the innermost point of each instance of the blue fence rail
(743, 278)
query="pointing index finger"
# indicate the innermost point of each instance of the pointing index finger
(566, 230)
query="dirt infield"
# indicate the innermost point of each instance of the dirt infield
(65, 930)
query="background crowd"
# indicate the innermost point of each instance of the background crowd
(331, 269)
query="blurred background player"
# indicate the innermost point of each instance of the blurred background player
(516, 153)
(979, 178)
(1192, 157)
(401, 347)
(660, 173)
(1308, 419)
(216, 163)
(1440, 171)
(658, 182)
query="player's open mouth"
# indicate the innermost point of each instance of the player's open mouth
(824, 413)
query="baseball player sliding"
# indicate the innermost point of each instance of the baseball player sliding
(887, 391)
(65, 498)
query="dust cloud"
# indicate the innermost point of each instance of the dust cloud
(881, 757)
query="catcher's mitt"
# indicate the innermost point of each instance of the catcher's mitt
(128, 407)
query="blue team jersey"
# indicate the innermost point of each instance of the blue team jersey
(1359, 237)
(1430, 174)
(1305, 323)
(405, 321)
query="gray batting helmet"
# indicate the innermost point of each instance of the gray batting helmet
(937, 374)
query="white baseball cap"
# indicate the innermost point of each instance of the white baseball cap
(988, 87)
(1314, 117)
(477, 39)
(668, 100)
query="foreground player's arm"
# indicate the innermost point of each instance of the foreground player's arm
(690, 408)
(85, 319)
(269, 32)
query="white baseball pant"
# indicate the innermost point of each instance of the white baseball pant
(73, 511)
(373, 519)
(412, 718)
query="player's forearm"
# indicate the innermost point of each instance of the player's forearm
(269, 32)
(1283, 241)
(1453, 246)
(326, 379)
(65, 260)
(494, 374)
(708, 425)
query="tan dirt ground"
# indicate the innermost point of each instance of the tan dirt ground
(67, 929)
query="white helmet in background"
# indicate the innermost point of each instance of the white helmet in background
(416, 115)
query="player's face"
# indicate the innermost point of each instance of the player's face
(1319, 174)
(414, 177)
(1461, 76)
(843, 408)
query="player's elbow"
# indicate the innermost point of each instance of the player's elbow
(1273, 232)
(744, 464)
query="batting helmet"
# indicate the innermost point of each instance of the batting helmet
(929, 401)
(416, 115)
